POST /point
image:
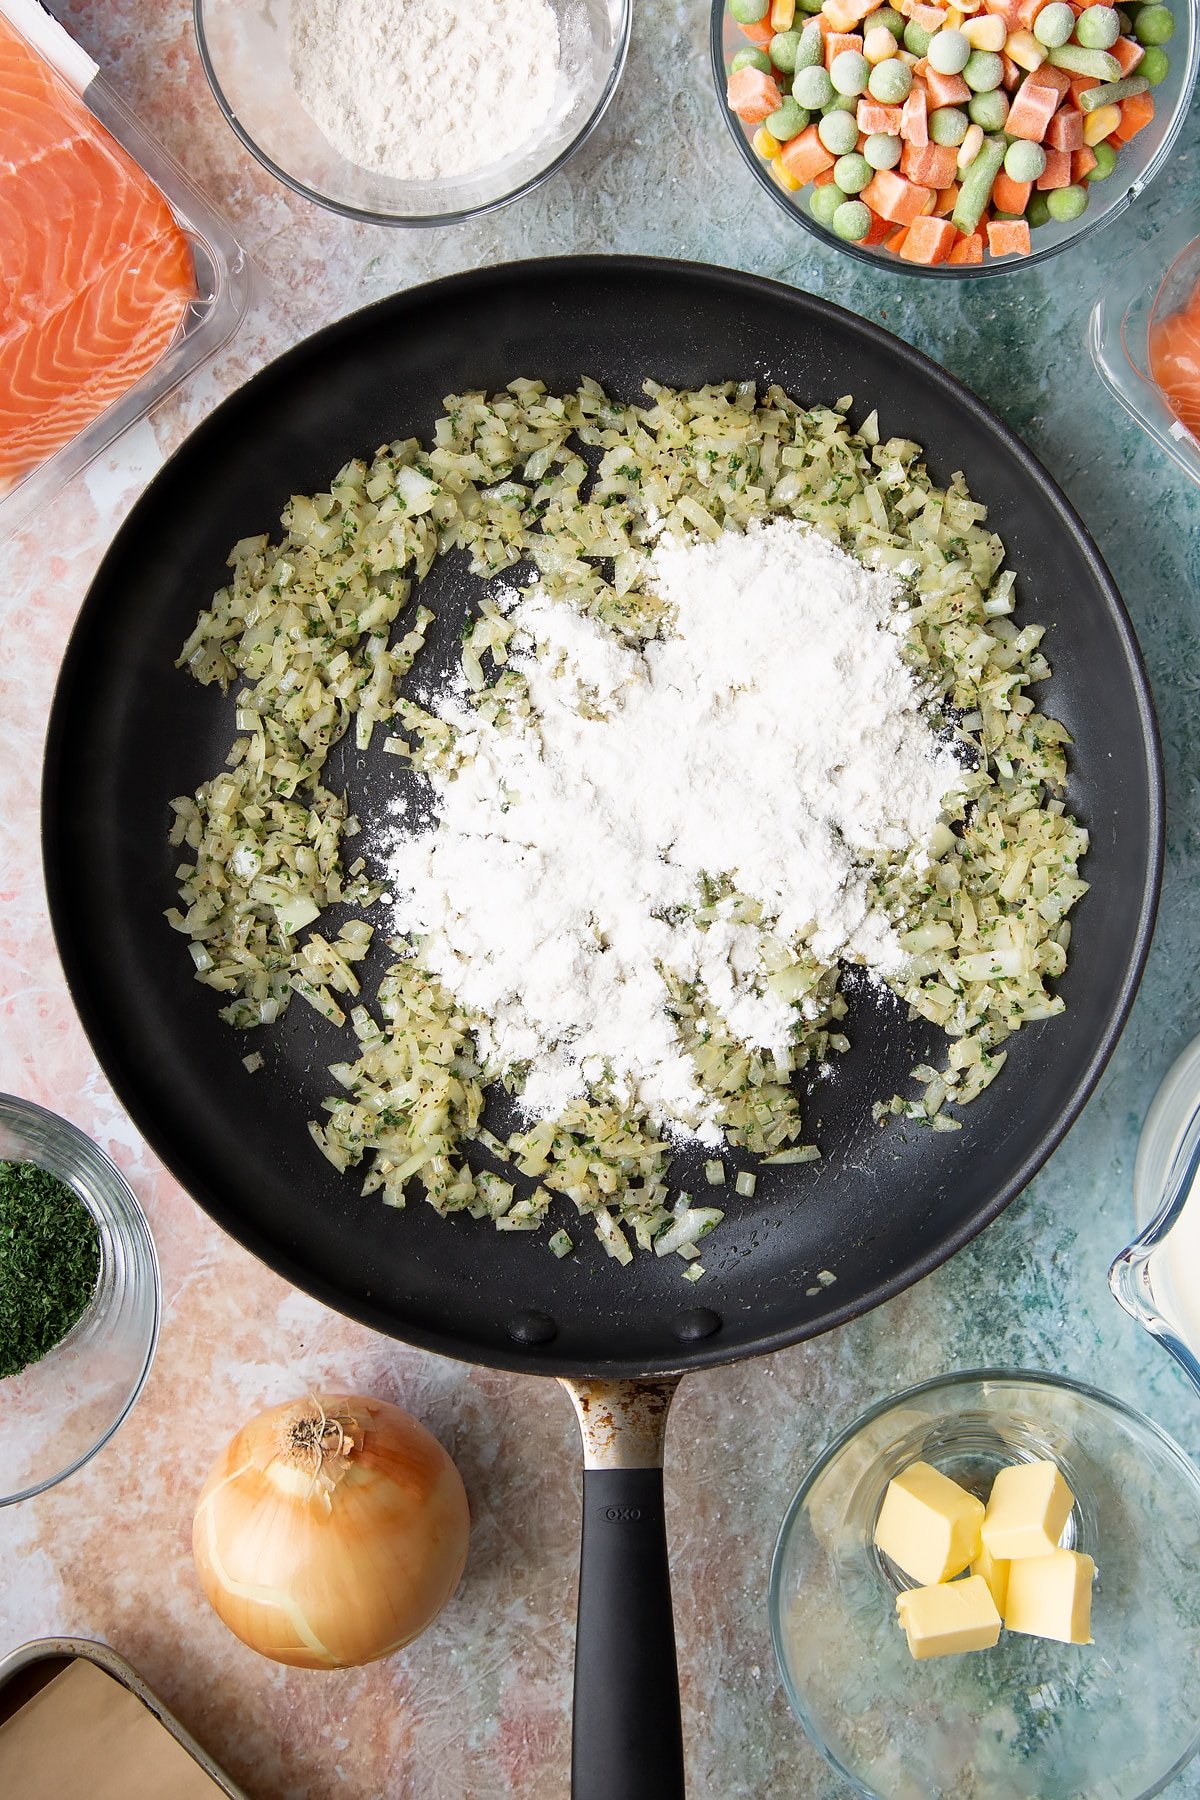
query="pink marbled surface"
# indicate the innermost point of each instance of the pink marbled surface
(480, 1705)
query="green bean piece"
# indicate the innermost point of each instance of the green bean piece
(1077, 61)
(1112, 91)
(976, 189)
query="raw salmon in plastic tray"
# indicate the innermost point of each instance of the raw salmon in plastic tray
(117, 277)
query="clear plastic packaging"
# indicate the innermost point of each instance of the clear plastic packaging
(1155, 281)
(224, 275)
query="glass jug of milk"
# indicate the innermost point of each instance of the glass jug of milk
(1157, 1279)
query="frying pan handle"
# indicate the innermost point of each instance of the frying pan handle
(628, 1742)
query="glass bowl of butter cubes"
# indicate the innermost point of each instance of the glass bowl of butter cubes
(989, 1588)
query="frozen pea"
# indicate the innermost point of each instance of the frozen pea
(1106, 162)
(751, 59)
(949, 52)
(852, 221)
(983, 71)
(812, 88)
(948, 125)
(1154, 25)
(988, 111)
(823, 202)
(1038, 210)
(852, 173)
(1155, 65)
(887, 19)
(1054, 25)
(882, 150)
(916, 38)
(810, 51)
(787, 122)
(809, 6)
(784, 46)
(890, 82)
(848, 72)
(1022, 161)
(749, 12)
(1097, 28)
(1124, 22)
(1067, 203)
(838, 132)
(842, 103)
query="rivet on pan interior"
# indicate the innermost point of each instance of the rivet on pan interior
(532, 1328)
(697, 1322)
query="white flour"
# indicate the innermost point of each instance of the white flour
(773, 737)
(424, 89)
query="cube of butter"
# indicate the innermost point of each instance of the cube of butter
(928, 1525)
(1026, 1511)
(995, 1573)
(1051, 1596)
(948, 1618)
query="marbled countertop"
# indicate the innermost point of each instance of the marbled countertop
(480, 1705)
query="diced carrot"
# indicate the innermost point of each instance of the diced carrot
(837, 41)
(1028, 11)
(894, 198)
(1083, 161)
(945, 201)
(805, 156)
(896, 241)
(933, 165)
(823, 179)
(929, 18)
(760, 33)
(1008, 237)
(1010, 196)
(872, 117)
(1030, 114)
(1127, 53)
(929, 241)
(844, 15)
(1080, 85)
(1057, 173)
(967, 249)
(944, 90)
(880, 231)
(1136, 113)
(914, 117)
(824, 25)
(1065, 130)
(1008, 10)
(1050, 77)
(753, 96)
(1011, 73)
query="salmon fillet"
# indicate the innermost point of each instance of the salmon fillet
(95, 273)
(1175, 361)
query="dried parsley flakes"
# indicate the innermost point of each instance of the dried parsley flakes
(49, 1262)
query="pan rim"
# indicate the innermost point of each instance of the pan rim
(702, 1353)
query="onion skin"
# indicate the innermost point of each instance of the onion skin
(324, 1559)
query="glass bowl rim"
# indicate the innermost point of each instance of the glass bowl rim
(412, 221)
(959, 271)
(134, 1228)
(955, 1378)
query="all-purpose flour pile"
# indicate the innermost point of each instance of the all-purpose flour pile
(767, 748)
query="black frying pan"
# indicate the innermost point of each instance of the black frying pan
(883, 1208)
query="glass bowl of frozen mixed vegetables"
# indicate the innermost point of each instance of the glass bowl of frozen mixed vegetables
(954, 140)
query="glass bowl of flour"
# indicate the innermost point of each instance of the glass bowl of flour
(413, 112)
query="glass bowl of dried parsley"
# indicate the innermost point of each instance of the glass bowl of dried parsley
(79, 1299)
